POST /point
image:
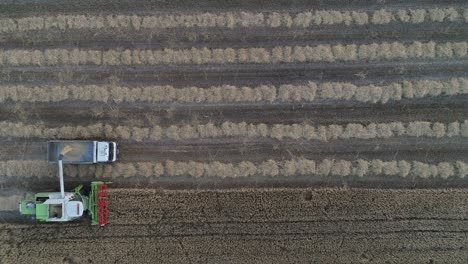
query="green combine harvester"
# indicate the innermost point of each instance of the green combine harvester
(70, 206)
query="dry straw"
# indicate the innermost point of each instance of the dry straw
(310, 18)
(281, 54)
(271, 168)
(299, 131)
(308, 92)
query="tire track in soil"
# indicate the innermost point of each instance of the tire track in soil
(183, 38)
(238, 149)
(324, 112)
(237, 74)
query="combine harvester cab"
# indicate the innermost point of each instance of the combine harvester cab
(70, 206)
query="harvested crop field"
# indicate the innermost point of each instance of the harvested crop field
(343, 103)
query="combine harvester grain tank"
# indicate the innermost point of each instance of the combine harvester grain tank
(70, 206)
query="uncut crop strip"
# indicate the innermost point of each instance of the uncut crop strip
(295, 167)
(311, 18)
(309, 92)
(384, 51)
(301, 131)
